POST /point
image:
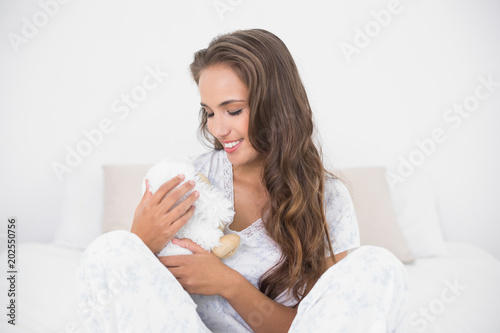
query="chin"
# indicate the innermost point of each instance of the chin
(243, 160)
(236, 160)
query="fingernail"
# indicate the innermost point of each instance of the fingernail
(196, 194)
(191, 182)
(181, 176)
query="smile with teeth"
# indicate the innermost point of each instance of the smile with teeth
(232, 144)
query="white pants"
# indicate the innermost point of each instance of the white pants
(124, 288)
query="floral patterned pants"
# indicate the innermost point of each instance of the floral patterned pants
(123, 287)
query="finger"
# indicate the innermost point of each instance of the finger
(145, 196)
(172, 197)
(176, 271)
(165, 188)
(173, 261)
(179, 223)
(189, 244)
(147, 192)
(182, 208)
(168, 261)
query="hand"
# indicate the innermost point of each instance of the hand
(155, 222)
(200, 273)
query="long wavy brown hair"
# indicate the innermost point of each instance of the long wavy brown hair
(281, 128)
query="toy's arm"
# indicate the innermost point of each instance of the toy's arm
(229, 244)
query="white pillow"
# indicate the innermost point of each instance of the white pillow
(377, 221)
(122, 193)
(414, 203)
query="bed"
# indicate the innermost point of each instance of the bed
(454, 287)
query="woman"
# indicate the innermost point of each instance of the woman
(290, 213)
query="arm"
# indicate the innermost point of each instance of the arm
(260, 312)
(204, 274)
(341, 219)
(338, 257)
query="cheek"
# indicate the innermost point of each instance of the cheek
(243, 126)
(209, 126)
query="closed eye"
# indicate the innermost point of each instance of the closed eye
(235, 113)
(205, 112)
(209, 115)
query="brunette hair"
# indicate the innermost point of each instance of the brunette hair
(281, 129)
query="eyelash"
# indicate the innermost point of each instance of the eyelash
(235, 113)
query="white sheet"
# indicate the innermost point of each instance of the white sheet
(47, 299)
(473, 309)
(46, 288)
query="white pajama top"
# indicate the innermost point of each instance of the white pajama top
(258, 252)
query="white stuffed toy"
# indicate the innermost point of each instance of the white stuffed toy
(212, 213)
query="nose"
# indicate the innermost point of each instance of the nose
(218, 127)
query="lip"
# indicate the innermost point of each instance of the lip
(230, 150)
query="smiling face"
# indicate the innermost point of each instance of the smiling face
(224, 98)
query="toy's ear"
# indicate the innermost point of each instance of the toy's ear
(203, 178)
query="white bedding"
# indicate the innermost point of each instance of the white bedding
(47, 301)
(455, 309)
(45, 287)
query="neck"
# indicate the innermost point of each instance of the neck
(250, 172)
(249, 178)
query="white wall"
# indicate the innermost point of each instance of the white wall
(369, 111)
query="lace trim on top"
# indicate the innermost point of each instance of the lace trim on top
(228, 178)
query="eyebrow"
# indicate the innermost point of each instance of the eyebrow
(225, 102)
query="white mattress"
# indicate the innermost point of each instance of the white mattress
(47, 300)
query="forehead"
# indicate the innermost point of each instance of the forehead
(220, 83)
